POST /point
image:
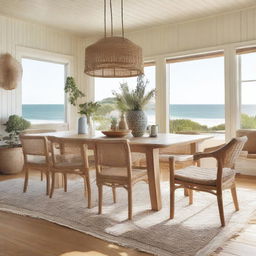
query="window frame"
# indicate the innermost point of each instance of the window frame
(239, 53)
(200, 55)
(52, 57)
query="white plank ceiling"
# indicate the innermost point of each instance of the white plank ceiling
(85, 17)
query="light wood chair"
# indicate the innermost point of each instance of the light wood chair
(70, 156)
(114, 169)
(211, 180)
(33, 131)
(36, 157)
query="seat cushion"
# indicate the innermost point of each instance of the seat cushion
(177, 158)
(122, 172)
(204, 176)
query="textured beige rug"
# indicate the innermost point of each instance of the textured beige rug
(194, 231)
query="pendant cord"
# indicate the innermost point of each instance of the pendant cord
(105, 20)
(110, 3)
(122, 12)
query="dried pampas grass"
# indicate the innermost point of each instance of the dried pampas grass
(10, 72)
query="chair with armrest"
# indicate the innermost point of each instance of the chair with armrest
(211, 180)
(36, 157)
(65, 162)
(114, 169)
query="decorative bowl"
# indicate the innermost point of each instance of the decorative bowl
(117, 133)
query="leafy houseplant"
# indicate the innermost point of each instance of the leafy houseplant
(73, 91)
(14, 126)
(74, 94)
(89, 109)
(133, 102)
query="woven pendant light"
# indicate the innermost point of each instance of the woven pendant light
(113, 56)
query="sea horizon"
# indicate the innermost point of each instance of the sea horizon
(205, 114)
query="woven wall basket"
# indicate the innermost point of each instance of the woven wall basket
(10, 72)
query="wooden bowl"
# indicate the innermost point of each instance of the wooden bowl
(117, 133)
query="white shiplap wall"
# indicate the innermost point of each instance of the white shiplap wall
(15, 33)
(213, 31)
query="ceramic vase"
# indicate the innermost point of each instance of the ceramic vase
(82, 127)
(122, 123)
(137, 122)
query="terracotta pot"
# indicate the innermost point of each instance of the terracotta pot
(11, 160)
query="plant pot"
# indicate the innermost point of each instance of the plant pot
(137, 122)
(82, 127)
(11, 160)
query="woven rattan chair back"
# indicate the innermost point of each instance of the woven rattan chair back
(34, 145)
(113, 153)
(62, 147)
(231, 151)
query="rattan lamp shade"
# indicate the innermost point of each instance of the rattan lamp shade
(113, 57)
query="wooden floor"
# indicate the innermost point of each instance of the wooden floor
(25, 236)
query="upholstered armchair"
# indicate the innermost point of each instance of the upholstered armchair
(246, 163)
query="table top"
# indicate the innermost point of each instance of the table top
(161, 141)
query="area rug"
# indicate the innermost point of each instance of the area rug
(194, 231)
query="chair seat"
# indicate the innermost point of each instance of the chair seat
(122, 172)
(177, 158)
(36, 160)
(204, 176)
(72, 161)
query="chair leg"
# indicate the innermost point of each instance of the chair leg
(172, 201)
(47, 183)
(190, 194)
(114, 194)
(42, 176)
(129, 203)
(234, 196)
(221, 209)
(186, 193)
(26, 180)
(100, 198)
(65, 182)
(53, 182)
(88, 189)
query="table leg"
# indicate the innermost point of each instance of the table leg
(59, 182)
(152, 155)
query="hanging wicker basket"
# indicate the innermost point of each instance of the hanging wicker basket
(114, 57)
(10, 72)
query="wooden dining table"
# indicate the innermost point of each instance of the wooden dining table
(150, 146)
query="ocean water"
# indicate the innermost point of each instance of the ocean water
(43, 112)
(210, 114)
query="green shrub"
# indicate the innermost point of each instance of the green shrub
(186, 125)
(220, 127)
(248, 122)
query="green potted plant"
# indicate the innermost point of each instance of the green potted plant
(74, 94)
(133, 102)
(89, 109)
(14, 126)
(11, 157)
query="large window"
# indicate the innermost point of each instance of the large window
(104, 88)
(43, 98)
(248, 90)
(197, 94)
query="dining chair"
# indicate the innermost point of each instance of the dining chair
(211, 180)
(114, 169)
(70, 156)
(33, 131)
(36, 157)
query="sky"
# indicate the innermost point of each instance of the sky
(191, 82)
(42, 82)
